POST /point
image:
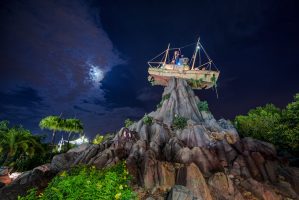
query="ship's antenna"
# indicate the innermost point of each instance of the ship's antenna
(166, 55)
(195, 53)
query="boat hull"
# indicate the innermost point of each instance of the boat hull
(197, 79)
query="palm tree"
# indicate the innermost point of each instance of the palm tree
(4, 126)
(18, 141)
(71, 126)
(53, 123)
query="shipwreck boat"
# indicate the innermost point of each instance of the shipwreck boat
(200, 72)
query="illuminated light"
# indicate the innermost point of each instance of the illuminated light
(198, 47)
(95, 74)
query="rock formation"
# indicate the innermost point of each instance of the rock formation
(206, 159)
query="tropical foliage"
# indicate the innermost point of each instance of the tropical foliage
(194, 83)
(164, 98)
(71, 126)
(56, 123)
(179, 122)
(19, 149)
(148, 120)
(203, 106)
(52, 123)
(98, 139)
(274, 125)
(88, 183)
(128, 122)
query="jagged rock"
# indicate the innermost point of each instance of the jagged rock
(271, 168)
(222, 187)
(262, 191)
(253, 145)
(150, 173)
(286, 190)
(63, 161)
(179, 192)
(206, 160)
(38, 177)
(184, 155)
(291, 174)
(191, 177)
(166, 175)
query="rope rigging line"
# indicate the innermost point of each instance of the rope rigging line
(187, 45)
(212, 62)
(156, 56)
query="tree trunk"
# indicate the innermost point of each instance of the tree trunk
(68, 140)
(53, 138)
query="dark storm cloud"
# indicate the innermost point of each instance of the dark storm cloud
(21, 96)
(53, 54)
(21, 103)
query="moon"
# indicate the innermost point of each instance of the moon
(95, 74)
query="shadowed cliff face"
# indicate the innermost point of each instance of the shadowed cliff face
(206, 156)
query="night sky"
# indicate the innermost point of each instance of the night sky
(88, 59)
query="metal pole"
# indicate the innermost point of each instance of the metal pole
(167, 51)
(195, 54)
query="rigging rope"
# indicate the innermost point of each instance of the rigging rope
(156, 56)
(187, 45)
(212, 62)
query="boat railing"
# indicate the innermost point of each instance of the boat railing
(155, 64)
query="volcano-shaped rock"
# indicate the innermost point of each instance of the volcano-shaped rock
(206, 156)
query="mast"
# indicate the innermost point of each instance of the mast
(166, 55)
(195, 53)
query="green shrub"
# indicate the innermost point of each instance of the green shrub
(203, 106)
(128, 122)
(98, 139)
(148, 120)
(87, 183)
(271, 124)
(259, 123)
(165, 97)
(179, 122)
(195, 83)
(213, 79)
(20, 149)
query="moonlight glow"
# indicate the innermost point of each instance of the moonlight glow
(95, 74)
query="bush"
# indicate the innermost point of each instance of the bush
(164, 98)
(25, 163)
(98, 139)
(128, 122)
(259, 123)
(148, 120)
(179, 122)
(102, 138)
(203, 106)
(195, 83)
(20, 149)
(271, 124)
(87, 183)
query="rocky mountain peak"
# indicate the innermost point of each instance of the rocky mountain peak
(179, 100)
